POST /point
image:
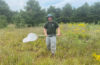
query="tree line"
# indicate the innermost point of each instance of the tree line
(34, 15)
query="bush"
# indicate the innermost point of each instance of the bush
(3, 21)
(19, 21)
(98, 22)
(20, 24)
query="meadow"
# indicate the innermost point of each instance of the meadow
(79, 44)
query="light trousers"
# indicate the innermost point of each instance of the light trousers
(51, 43)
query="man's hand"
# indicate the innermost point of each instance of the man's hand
(45, 32)
(46, 35)
(58, 32)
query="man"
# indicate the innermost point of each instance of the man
(50, 32)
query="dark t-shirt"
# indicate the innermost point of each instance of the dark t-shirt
(51, 27)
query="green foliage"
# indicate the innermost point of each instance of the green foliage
(33, 15)
(3, 21)
(85, 13)
(67, 11)
(98, 22)
(19, 21)
(4, 10)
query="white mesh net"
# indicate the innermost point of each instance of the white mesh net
(30, 37)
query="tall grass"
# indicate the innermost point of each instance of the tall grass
(74, 47)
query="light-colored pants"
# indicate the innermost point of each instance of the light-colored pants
(51, 43)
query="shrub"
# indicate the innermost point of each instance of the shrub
(20, 24)
(19, 21)
(98, 22)
(3, 21)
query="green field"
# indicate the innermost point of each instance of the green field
(75, 46)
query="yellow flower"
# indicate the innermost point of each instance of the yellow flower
(97, 57)
(82, 25)
(83, 30)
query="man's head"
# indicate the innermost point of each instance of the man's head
(50, 17)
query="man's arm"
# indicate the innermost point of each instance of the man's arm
(58, 31)
(45, 32)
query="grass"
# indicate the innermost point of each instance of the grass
(75, 47)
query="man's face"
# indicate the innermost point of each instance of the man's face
(49, 18)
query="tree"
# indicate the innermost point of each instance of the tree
(82, 13)
(95, 9)
(58, 13)
(4, 10)
(95, 12)
(52, 10)
(67, 11)
(18, 20)
(3, 21)
(33, 14)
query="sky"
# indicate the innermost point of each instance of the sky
(16, 5)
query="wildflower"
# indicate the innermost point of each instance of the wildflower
(83, 30)
(82, 25)
(97, 57)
